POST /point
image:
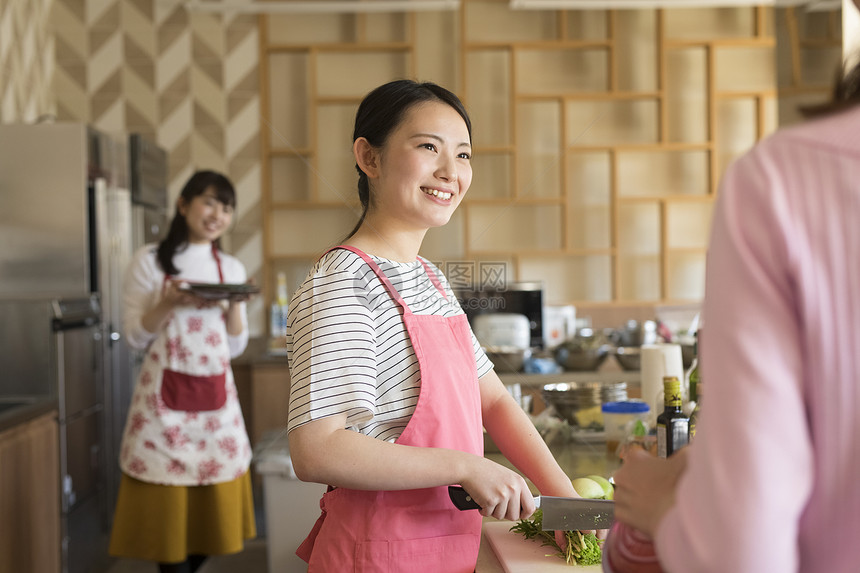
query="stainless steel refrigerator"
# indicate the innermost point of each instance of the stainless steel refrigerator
(148, 186)
(66, 227)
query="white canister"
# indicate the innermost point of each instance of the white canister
(495, 329)
(657, 361)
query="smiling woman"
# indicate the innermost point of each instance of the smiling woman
(402, 150)
(418, 178)
(206, 215)
(185, 491)
(389, 386)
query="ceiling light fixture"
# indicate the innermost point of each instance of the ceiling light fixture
(323, 6)
(644, 4)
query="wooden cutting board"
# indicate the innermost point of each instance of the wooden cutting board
(520, 555)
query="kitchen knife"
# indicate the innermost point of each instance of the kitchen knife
(559, 513)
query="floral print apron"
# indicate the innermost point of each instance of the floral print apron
(185, 426)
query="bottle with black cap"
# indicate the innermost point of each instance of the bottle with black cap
(672, 425)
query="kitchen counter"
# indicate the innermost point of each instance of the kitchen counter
(602, 375)
(29, 485)
(258, 352)
(263, 381)
(15, 411)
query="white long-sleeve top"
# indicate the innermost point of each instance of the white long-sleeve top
(771, 484)
(144, 281)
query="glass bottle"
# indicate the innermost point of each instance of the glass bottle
(672, 424)
(282, 289)
(279, 309)
(694, 417)
(693, 372)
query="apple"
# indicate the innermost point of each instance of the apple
(608, 489)
(588, 488)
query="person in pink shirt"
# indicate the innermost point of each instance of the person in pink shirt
(770, 484)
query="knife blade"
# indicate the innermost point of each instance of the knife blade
(559, 513)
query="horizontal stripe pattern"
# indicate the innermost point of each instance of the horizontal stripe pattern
(348, 348)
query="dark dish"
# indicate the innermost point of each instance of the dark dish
(628, 357)
(221, 291)
(506, 358)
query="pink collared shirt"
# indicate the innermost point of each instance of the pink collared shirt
(772, 480)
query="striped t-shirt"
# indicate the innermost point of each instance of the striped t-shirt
(348, 348)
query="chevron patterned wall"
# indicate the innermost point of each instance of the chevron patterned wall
(26, 60)
(187, 80)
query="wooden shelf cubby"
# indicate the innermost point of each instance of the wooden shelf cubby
(599, 136)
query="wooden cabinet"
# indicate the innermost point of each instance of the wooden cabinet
(315, 70)
(30, 496)
(810, 55)
(613, 127)
(264, 394)
(600, 136)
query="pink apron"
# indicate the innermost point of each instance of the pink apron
(185, 425)
(412, 530)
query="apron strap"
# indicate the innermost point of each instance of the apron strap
(385, 280)
(217, 262)
(433, 278)
(381, 275)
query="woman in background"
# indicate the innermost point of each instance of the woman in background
(390, 388)
(185, 491)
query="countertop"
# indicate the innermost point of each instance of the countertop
(16, 411)
(258, 352)
(602, 375)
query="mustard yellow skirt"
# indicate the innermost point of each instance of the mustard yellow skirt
(167, 523)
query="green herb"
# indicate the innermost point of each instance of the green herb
(639, 429)
(581, 549)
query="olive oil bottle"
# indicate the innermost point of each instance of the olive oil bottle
(672, 424)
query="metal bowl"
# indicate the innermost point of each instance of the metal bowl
(506, 358)
(635, 333)
(585, 352)
(581, 359)
(628, 357)
(579, 402)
